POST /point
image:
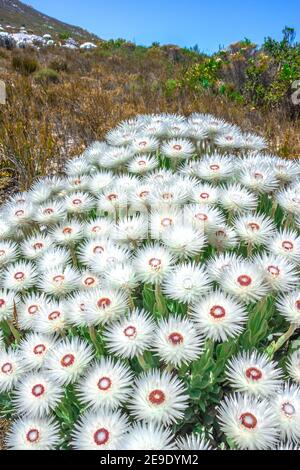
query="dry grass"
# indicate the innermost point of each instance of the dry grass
(4, 426)
(44, 122)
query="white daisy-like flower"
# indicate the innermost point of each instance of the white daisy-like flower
(112, 256)
(254, 373)
(51, 318)
(287, 244)
(205, 194)
(99, 181)
(77, 183)
(130, 230)
(244, 281)
(49, 213)
(177, 149)
(286, 405)
(36, 395)
(279, 274)
(254, 142)
(130, 336)
(59, 281)
(121, 276)
(76, 306)
(159, 397)
(187, 282)
(107, 384)
(89, 281)
(116, 157)
(285, 170)
(162, 220)
(192, 442)
(112, 200)
(204, 218)
(152, 263)
(289, 200)
(19, 215)
(68, 361)
(98, 228)
(105, 305)
(168, 195)
(93, 249)
(249, 422)
(217, 265)
(254, 229)
(40, 192)
(231, 139)
(29, 309)
(149, 436)
(145, 144)
(288, 305)
(293, 366)
(8, 252)
(19, 276)
(215, 168)
(56, 257)
(222, 237)
(259, 178)
(184, 241)
(219, 316)
(29, 433)
(35, 246)
(104, 430)
(34, 349)
(177, 341)
(8, 302)
(11, 369)
(79, 203)
(234, 198)
(67, 233)
(77, 166)
(142, 164)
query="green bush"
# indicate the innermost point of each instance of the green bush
(47, 75)
(25, 64)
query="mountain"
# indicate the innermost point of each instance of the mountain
(16, 14)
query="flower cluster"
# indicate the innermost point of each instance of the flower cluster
(149, 297)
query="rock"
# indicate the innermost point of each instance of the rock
(88, 46)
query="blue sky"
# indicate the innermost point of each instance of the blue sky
(209, 24)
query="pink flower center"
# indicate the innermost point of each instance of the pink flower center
(274, 270)
(38, 246)
(175, 338)
(104, 383)
(143, 143)
(204, 195)
(112, 197)
(177, 147)
(297, 304)
(101, 436)
(7, 368)
(253, 226)
(258, 176)
(214, 167)
(77, 202)
(67, 360)
(2, 303)
(201, 217)
(54, 315)
(19, 276)
(253, 373)
(32, 309)
(217, 311)
(2, 252)
(19, 213)
(229, 138)
(157, 397)
(287, 245)
(166, 222)
(248, 420)
(288, 409)
(67, 230)
(48, 211)
(155, 263)
(89, 281)
(39, 349)
(38, 390)
(130, 331)
(142, 163)
(220, 234)
(33, 435)
(77, 182)
(59, 278)
(98, 249)
(244, 280)
(167, 196)
(104, 302)
(144, 194)
(96, 228)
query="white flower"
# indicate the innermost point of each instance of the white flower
(40, 192)
(11, 369)
(215, 167)
(289, 306)
(67, 233)
(177, 341)
(219, 316)
(259, 178)
(33, 434)
(204, 218)
(121, 276)
(153, 263)
(107, 384)
(286, 405)
(145, 144)
(130, 336)
(8, 252)
(229, 140)
(285, 169)
(249, 422)
(19, 276)
(36, 395)
(100, 181)
(149, 436)
(254, 229)
(177, 149)
(79, 203)
(184, 241)
(254, 142)
(286, 244)
(104, 430)
(235, 198)
(110, 257)
(278, 273)
(254, 373)
(222, 237)
(35, 246)
(8, 302)
(158, 396)
(98, 228)
(51, 318)
(162, 220)
(289, 200)
(293, 366)
(19, 215)
(217, 265)
(59, 281)
(34, 349)
(112, 200)
(130, 230)
(168, 195)
(141, 164)
(77, 183)
(68, 361)
(29, 310)
(76, 307)
(55, 257)
(245, 281)
(205, 194)
(187, 282)
(192, 442)
(105, 305)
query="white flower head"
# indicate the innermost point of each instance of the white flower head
(29, 433)
(153, 263)
(149, 436)
(34, 348)
(11, 369)
(8, 252)
(286, 405)
(19, 276)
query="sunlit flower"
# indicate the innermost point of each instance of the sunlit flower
(293, 366)
(59, 281)
(149, 436)
(153, 263)
(8, 302)
(34, 348)
(8, 252)
(105, 305)
(11, 369)
(287, 244)
(29, 309)
(192, 442)
(184, 241)
(33, 434)
(286, 406)
(19, 276)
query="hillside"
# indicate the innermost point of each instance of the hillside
(16, 14)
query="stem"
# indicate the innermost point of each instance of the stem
(131, 301)
(73, 256)
(14, 331)
(288, 221)
(249, 249)
(160, 301)
(282, 340)
(142, 362)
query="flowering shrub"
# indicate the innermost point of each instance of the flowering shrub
(149, 298)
